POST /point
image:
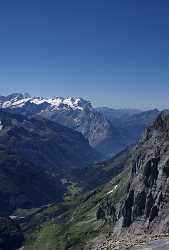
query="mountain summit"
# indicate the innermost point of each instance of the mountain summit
(18, 100)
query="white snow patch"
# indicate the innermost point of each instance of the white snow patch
(56, 102)
(111, 191)
(15, 103)
(6, 104)
(1, 126)
(72, 103)
(20, 103)
(13, 217)
(68, 102)
(38, 100)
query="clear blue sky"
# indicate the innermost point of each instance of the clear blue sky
(113, 52)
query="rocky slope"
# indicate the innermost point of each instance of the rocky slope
(72, 224)
(139, 242)
(144, 204)
(148, 185)
(107, 130)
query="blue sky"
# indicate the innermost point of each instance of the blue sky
(113, 52)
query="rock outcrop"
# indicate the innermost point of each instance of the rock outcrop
(106, 210)
(146, 204)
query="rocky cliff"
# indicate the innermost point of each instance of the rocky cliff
(136, 209)
(148, 191)
(144, 205)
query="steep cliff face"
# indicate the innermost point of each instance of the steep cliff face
(146, 204)
(139, 203)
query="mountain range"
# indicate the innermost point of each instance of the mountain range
(70, 174)
(108, 130)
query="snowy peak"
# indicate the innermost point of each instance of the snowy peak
(66, 103)
(18, 100)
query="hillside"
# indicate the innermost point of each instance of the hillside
(38, 159)
(74, 222)
(24, 185)
(133, 203)
(44, 143)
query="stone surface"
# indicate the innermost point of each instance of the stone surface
(144, 209)
(138, 242)
(148, 190)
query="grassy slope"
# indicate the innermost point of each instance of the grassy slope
(72, 225)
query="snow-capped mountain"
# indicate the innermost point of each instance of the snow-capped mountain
(56, 103)
(107, 131)
(75, 113)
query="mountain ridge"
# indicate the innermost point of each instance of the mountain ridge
(108, 132)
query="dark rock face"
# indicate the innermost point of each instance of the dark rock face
(11, 237)
(147, 198)
(127, 209)
(151, 172)
(106, 210)
(100, 214)
(153, 213)
(139, 206)
(149, 204)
